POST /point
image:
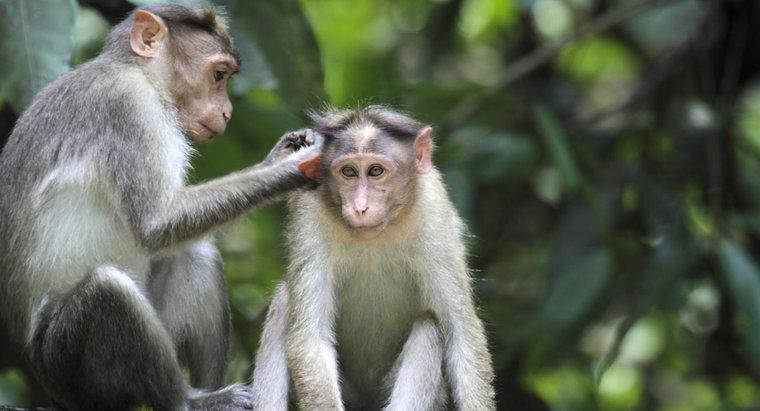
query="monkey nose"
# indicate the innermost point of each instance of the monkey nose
(227, 110)
(361, 210)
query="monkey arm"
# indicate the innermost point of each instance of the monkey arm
(312, 357)
(417, 381)
(162, 214)
(197, 209)
(271, 379)
(466, 359)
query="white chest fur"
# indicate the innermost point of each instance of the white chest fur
(378, 300)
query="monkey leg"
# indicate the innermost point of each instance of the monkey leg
(101, 346)
(190, 294)
(416, 381)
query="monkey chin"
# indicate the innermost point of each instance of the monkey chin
(204, 137)
(368, 232)
(200, 133)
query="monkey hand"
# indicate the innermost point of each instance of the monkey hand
(294, 141)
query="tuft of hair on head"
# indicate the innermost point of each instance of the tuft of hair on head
(212, 20)
(329, 120)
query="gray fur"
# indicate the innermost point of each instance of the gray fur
(107, 275)
(387, 322)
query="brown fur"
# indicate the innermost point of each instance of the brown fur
(381, 321)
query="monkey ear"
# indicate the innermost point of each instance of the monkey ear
(311, 166)
(423, 148)
(147, 31)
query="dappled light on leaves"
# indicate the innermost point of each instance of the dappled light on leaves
(604, 154)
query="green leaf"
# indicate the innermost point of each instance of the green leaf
(553, 19)
(564, 388)
(548, 185)
(558, 146)
(743, 278)
(491, 156)
(577, 287)
(487, 19)
(748, 116)
(256, 71)
(750, 222)
(89, 35)
(747, 147)
(279, 30)
(698, 219)
(662, 27)
(36, 44)
(620, 388)
(354, 43)
(597, 57)
(13, 386)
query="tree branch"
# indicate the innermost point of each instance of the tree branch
(543, 55)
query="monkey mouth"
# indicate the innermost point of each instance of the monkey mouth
(212, 133)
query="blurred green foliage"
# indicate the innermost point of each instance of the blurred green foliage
(612, 185)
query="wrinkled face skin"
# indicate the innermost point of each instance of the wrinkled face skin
(369, 189)
(195, 67)
(200, 94)
(371, 177)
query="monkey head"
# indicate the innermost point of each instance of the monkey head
(370, 164)
(191, 56)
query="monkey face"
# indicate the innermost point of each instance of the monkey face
(374, 181)
(201, 97)
(366, 183)
(195, 65)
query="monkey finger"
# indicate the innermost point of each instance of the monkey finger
(318, 139)
(311, 136)
(305, 139)
(296, 139)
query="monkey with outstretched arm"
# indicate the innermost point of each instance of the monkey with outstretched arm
(376, 308)
(109, 279)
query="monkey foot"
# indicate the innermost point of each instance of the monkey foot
(233, 397)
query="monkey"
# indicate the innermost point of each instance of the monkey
(376, 307)
(110, 280)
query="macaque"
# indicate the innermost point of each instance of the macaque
(110, 280)
(376, 308)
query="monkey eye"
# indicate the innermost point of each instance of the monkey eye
(375, 171)
(218, 75)
(348, 171)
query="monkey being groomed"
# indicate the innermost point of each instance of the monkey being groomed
(376, 308)
(109, 281)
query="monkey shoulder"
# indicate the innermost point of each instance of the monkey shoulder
(435, 206)
(302, 206)
(303, 234)
(92, 103)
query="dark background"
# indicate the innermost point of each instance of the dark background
(605, 154)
